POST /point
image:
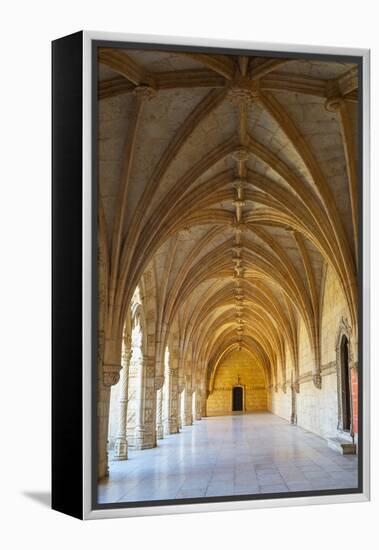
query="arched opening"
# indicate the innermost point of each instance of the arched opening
(135, 386)
(345, 385)
(237, 399)
(238, 372)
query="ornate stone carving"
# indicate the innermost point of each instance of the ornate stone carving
(240, 183)
(241, 154)
(239, 271)
(333, 104)
(334, 97)
(111, 375)
(158, 382)
(243, 91)
(144, 92)
(344, 328)
(184, 233)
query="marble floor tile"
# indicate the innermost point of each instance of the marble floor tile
(229, 455)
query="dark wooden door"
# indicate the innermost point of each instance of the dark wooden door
(345, 385)
(237, 398)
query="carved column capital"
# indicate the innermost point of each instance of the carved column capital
(127, 355)
(128, 341)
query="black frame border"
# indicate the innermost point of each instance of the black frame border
(67, 266)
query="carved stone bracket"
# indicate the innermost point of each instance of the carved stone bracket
(333, 104)
(158, 382)
(317, 380)
(145, 92)
(111, 375)
(334, 97)
(296, 386)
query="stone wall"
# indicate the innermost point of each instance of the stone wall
(237, 368)
(317, 409)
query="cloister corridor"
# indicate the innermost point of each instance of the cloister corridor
(230, 455)
(228, 263)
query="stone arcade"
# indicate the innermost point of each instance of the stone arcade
(227, 252)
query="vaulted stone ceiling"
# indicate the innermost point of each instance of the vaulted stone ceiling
(227, 184)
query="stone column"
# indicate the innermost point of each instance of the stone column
(180, 406)
(159, 400)
(103, 401)
(203, 403)
(134, 393)
(145, 426)
(171, 425)
(108, 375)
(139, 427)
(197, 405)
(121, 444)
(295, 388)
(188, 418)
(159, 414)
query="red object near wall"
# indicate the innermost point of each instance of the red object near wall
(354, 393)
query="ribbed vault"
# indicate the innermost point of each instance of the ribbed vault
(227, 186)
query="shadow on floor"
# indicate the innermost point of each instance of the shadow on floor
(42, 497)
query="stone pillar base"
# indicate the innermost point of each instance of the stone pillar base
(187, 421)
(160, 434)
(170, 427)
(144, 439)
(121, 449)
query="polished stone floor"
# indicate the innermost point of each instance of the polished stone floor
(230, 455)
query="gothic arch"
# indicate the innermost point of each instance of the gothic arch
(218, 202)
